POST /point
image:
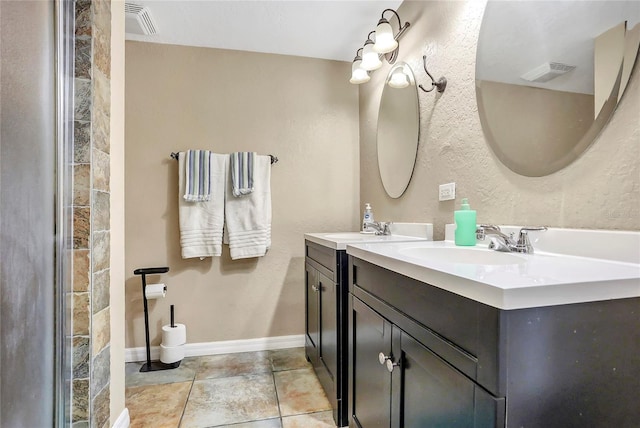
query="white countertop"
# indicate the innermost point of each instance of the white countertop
(339, 241)
(400, 232)
(532, 280)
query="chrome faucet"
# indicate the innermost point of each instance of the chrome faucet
(380, 227)
(506, 243)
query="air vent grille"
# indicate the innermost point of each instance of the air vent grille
(138, 20)
(547, 71)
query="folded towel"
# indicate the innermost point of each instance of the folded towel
(248, 219)
(201, 223)
(242, 169)
(197, 177)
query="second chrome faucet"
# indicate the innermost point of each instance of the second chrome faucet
(381, 227)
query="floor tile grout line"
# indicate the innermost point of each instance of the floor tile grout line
(275, 388)
(186, 402)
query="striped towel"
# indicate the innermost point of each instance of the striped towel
(197, 176)
(242, 167)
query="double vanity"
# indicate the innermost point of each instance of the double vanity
(406, 332)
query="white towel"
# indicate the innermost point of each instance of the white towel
(248, 219)
(201, 223)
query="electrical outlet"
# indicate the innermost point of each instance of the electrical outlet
(447, 192)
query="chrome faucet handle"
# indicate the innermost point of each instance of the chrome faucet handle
(382, 227)
(386, 227)
(524, 244)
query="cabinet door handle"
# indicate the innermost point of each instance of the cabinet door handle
(314, 288)
(391, 365)
(388, 361)
(384, 358)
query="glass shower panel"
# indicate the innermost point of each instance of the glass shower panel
(35, 224)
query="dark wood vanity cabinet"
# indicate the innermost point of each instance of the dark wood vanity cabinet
(448, 361)
(326, 293)
(396, 381)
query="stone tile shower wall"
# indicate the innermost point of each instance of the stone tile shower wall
(91, 200)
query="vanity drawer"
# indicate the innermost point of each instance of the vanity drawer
(324, 256)
(464, 330)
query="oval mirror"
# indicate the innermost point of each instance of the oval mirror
(549, 76)
(398, 129)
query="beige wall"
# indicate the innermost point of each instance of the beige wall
(600, 190)
(302, 110)
(117, 210)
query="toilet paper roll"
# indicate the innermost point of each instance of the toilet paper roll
(155, 291)
(174, 336)
(171, 354)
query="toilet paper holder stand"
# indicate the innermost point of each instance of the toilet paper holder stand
(151, 366)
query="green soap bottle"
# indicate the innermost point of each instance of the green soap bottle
(465, 219)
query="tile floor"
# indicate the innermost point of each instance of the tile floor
(268, 389)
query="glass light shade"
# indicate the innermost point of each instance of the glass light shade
(370, 59)
(358, 74)
(399, 79)
(385, 42)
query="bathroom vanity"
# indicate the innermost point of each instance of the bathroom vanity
(326, 296)
(541, 340)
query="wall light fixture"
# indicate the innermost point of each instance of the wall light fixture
(383, 44)
(358, 74)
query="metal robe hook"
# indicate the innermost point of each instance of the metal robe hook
(441, 84)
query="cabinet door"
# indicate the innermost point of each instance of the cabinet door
(371, 381)
(328, 324)
(428, 392)
(312, 314)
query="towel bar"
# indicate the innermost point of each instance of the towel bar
(274, 159)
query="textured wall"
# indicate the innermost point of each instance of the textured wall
(302, 110)
(600, 190)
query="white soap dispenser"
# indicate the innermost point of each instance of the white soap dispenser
(367, 218)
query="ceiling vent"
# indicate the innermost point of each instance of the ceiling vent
(138, 20)
(547, 71)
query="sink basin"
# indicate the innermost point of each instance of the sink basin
(353, 236)
(400, 232)
(472, 256)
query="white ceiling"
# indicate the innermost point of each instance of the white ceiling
(319, 29)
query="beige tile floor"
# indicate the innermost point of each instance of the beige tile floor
(268, 389)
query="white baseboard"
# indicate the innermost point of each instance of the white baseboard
(222, 347)
(123, 420)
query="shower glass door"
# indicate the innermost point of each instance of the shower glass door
(36, 143)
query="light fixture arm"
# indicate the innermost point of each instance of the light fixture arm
(358, 55)
(401, 28)
(441, 84)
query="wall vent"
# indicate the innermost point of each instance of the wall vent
(138, 20)
(547, 71)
